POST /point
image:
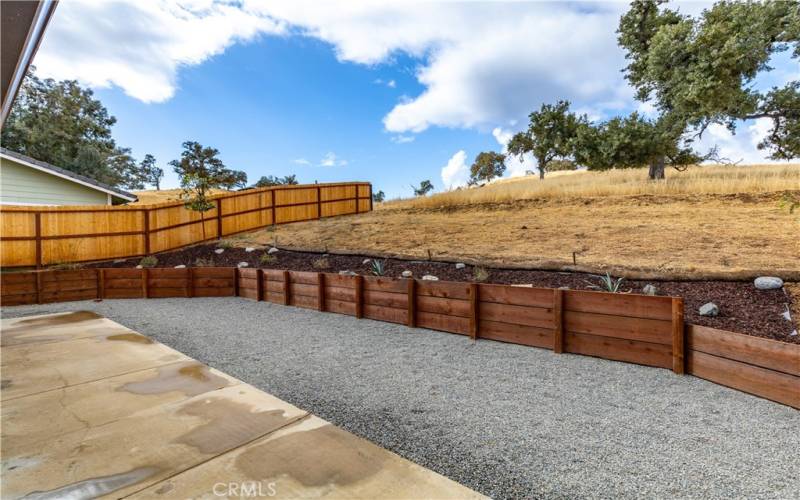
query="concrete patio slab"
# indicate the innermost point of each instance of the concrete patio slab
(91, 409)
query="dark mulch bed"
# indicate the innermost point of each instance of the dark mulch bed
(743, 308)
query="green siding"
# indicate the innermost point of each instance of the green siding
(20, 184)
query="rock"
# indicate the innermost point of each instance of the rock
(249, 249)
(406, 274)
(119, 261)
(272, 250)
(180, 266)
(650, 289)
(430, 277)
(794, 332)
(709, 309)
(242, 264)
(525, 285)
(139, 266)
(366, 261)
(347, 273)
(460, 265)
(563, 288)
(768, 283)
(219, 251)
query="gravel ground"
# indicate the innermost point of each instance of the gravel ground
(509, 421)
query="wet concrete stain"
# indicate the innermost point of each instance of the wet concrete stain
(229, 424)
(95, 487)
(17, 334)
(131, 337)
(318, 457)
(6, 383)
(190, 378)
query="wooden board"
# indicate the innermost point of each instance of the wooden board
(619, 304)
(645, 330)
(641, 353)
(520, 315)
(515, 334)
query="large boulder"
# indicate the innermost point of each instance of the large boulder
(768, 283)
(709, 309)
(650, 289)
(272, 250)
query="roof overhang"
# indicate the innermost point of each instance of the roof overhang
(22, 23)
(73, 178)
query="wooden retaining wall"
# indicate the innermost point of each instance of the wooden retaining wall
(763, 367)
(37, 236)
(639, 329)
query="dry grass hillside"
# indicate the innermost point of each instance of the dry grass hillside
(712, 222)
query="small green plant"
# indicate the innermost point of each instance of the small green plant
(607, 284)
(266, 259)
(789, 203)
(480, 274)
(204, 262)
(378, 267)
(149, 261)
(321, 263)
(225, 244)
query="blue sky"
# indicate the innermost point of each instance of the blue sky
(391, 93)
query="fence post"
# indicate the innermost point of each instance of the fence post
(236, 281)
(359, 281)
(101, 284)
(190, 282)
(678, 362)
(39, 287)
(321, 291)
(558, 321)
(370, 197)
(146, 231)
(412, 302)
(272, 204)
(286, 288)
(319, 203)
(259, 285)
(38, 223)
(219, 218)
(473, 311)
(145, 291)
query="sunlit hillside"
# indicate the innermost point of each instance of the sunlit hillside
(714, 179)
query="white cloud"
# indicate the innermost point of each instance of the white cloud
(391, 84)
(741, 147)
(456, 172)
(301, 161)
(331, 160)
(140, 46)
(514, 167)
(402, 139)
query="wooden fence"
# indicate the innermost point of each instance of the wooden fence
(37, 236)
(637, 329)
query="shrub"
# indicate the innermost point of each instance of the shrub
(149, 261)
(378, 267)
(321, 263)
(266, 258)
(225, 244)
(480, 274)
(66, 266)
(204, 262)
(607, 284)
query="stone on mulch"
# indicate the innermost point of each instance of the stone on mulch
(708, 309)
(768, 283)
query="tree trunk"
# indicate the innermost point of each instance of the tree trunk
(656, 171)
(541, 174)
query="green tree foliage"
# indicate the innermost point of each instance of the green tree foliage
(378, 197)
(549, 135)
(562, 165)
(200, 171)
(486, 167)
(151, 173)
(424, 188)
(267, 181)
(631, 142)
(62, 124)
(700, 71)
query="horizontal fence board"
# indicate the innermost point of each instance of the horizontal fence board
(765, 353)
(387, 299)
(439, 305)
(516, 334)
(80, 274)
(214, 292)
(122, 273)
(516, 295)
(340, 281)
(111, 284)
(68, 295)
(157, 273)
(531, 316)
(384, 284)
(382, 313)
(249, 293)
(123, 293)
(769, 384)
(641, 353)
(443, 289)
(213, 272)
(619, 304)
(340, 306)
(19, 288)
(641, 329)
(213, 283)
(340, 293)
(18, 299)
(17, 278)
(274, 297)
(304, 290)
(65, 286)
(303, 277)
(305, 301)
(442, 322)
(165, 292)
(153, 283)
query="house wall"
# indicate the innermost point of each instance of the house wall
(22, 185)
